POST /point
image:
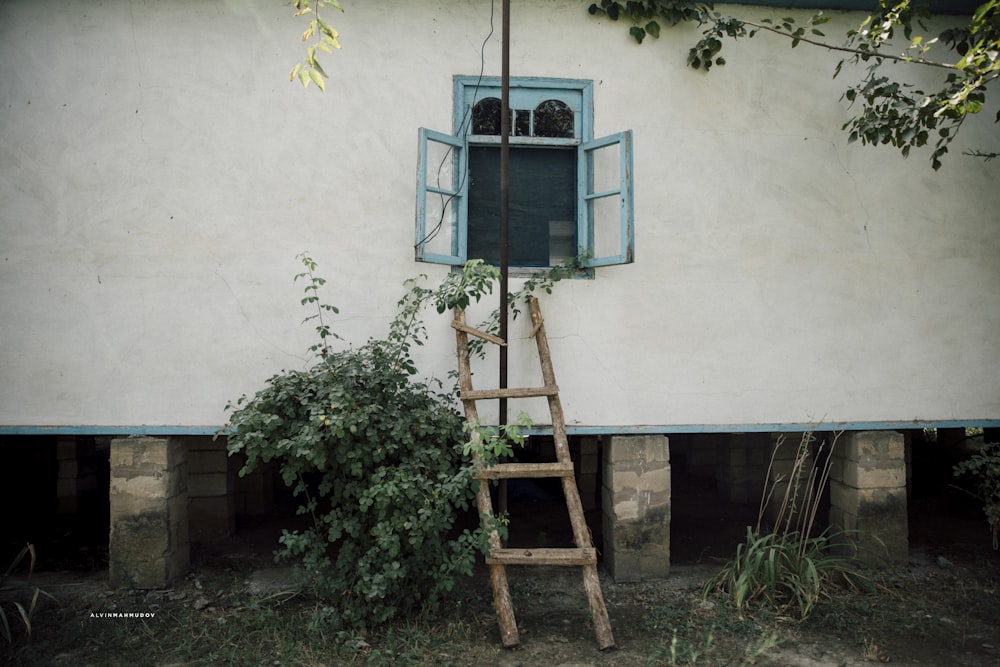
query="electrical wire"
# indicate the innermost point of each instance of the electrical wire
(466, 118)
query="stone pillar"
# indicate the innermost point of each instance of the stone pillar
(149, 535)
(786, 448)
(636, 504)
(868, 496)
(742, 469)
(211, 481)
(585, 461)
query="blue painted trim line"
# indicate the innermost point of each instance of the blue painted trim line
(545, 430)
(110, 430)
(766, 428)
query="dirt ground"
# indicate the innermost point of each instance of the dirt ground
(941, 609)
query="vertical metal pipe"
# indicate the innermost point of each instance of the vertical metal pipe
(504, 195)
(504, 215)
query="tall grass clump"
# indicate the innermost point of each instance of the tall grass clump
(790, 567)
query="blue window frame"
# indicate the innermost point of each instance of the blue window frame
(569, 193)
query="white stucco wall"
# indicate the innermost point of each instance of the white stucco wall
(158, 175)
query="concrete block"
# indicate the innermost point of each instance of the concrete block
(654, 480)
(636, 503)
(622, 481)
(208, 484)
(626, 510)
(148, 542)
(875, 445)
(208, 461)
(645, 448)
(876, 476)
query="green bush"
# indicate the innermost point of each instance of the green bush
(984, 468)
(375, 458)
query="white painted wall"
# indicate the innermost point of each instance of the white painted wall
(158, 175)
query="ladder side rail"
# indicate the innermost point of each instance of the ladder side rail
(502, 603)
(581, 533)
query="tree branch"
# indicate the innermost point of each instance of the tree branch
(847, 49)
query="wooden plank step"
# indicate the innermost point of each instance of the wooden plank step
(472, 331)
(523, 556)
(525, 470)
(511, 392)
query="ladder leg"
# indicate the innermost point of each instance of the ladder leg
(581, 534)
(498, 572)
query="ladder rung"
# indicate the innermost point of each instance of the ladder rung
(514, 392)
(472, 331)
(569, 557)
(525, 470)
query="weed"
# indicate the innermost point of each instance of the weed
(18, 611)
(788, 569)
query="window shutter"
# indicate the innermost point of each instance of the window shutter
(441, 191)
(605, 199)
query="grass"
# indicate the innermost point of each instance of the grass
(273, 632)
(789, 568)
(703, 633)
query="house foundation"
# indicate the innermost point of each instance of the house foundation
(636, 507)
(868, 496)
(586, 462)
(211, 486)
(149, 544)
(742, 467)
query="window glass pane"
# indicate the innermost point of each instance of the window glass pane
(608, 199)
(441, 216)
(606, 217)
(553, 119)
(606, 161)
(542, 199)
(521, 125)
(486, 117)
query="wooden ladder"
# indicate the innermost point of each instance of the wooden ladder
(584, 555)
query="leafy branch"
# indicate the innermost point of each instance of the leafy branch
(312, 297)
(492, 444)
(326, 39)
(893, 113)
(541, 282)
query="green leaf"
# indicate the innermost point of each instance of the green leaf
(638, 33)
(317, 78)
(653, 28)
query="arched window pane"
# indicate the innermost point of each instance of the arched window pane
(486, 116)
(553, 119)
(522, 123)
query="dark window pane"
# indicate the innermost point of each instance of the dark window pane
(542, 198)
(486, 117)
(522, 123)
(553, 119)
